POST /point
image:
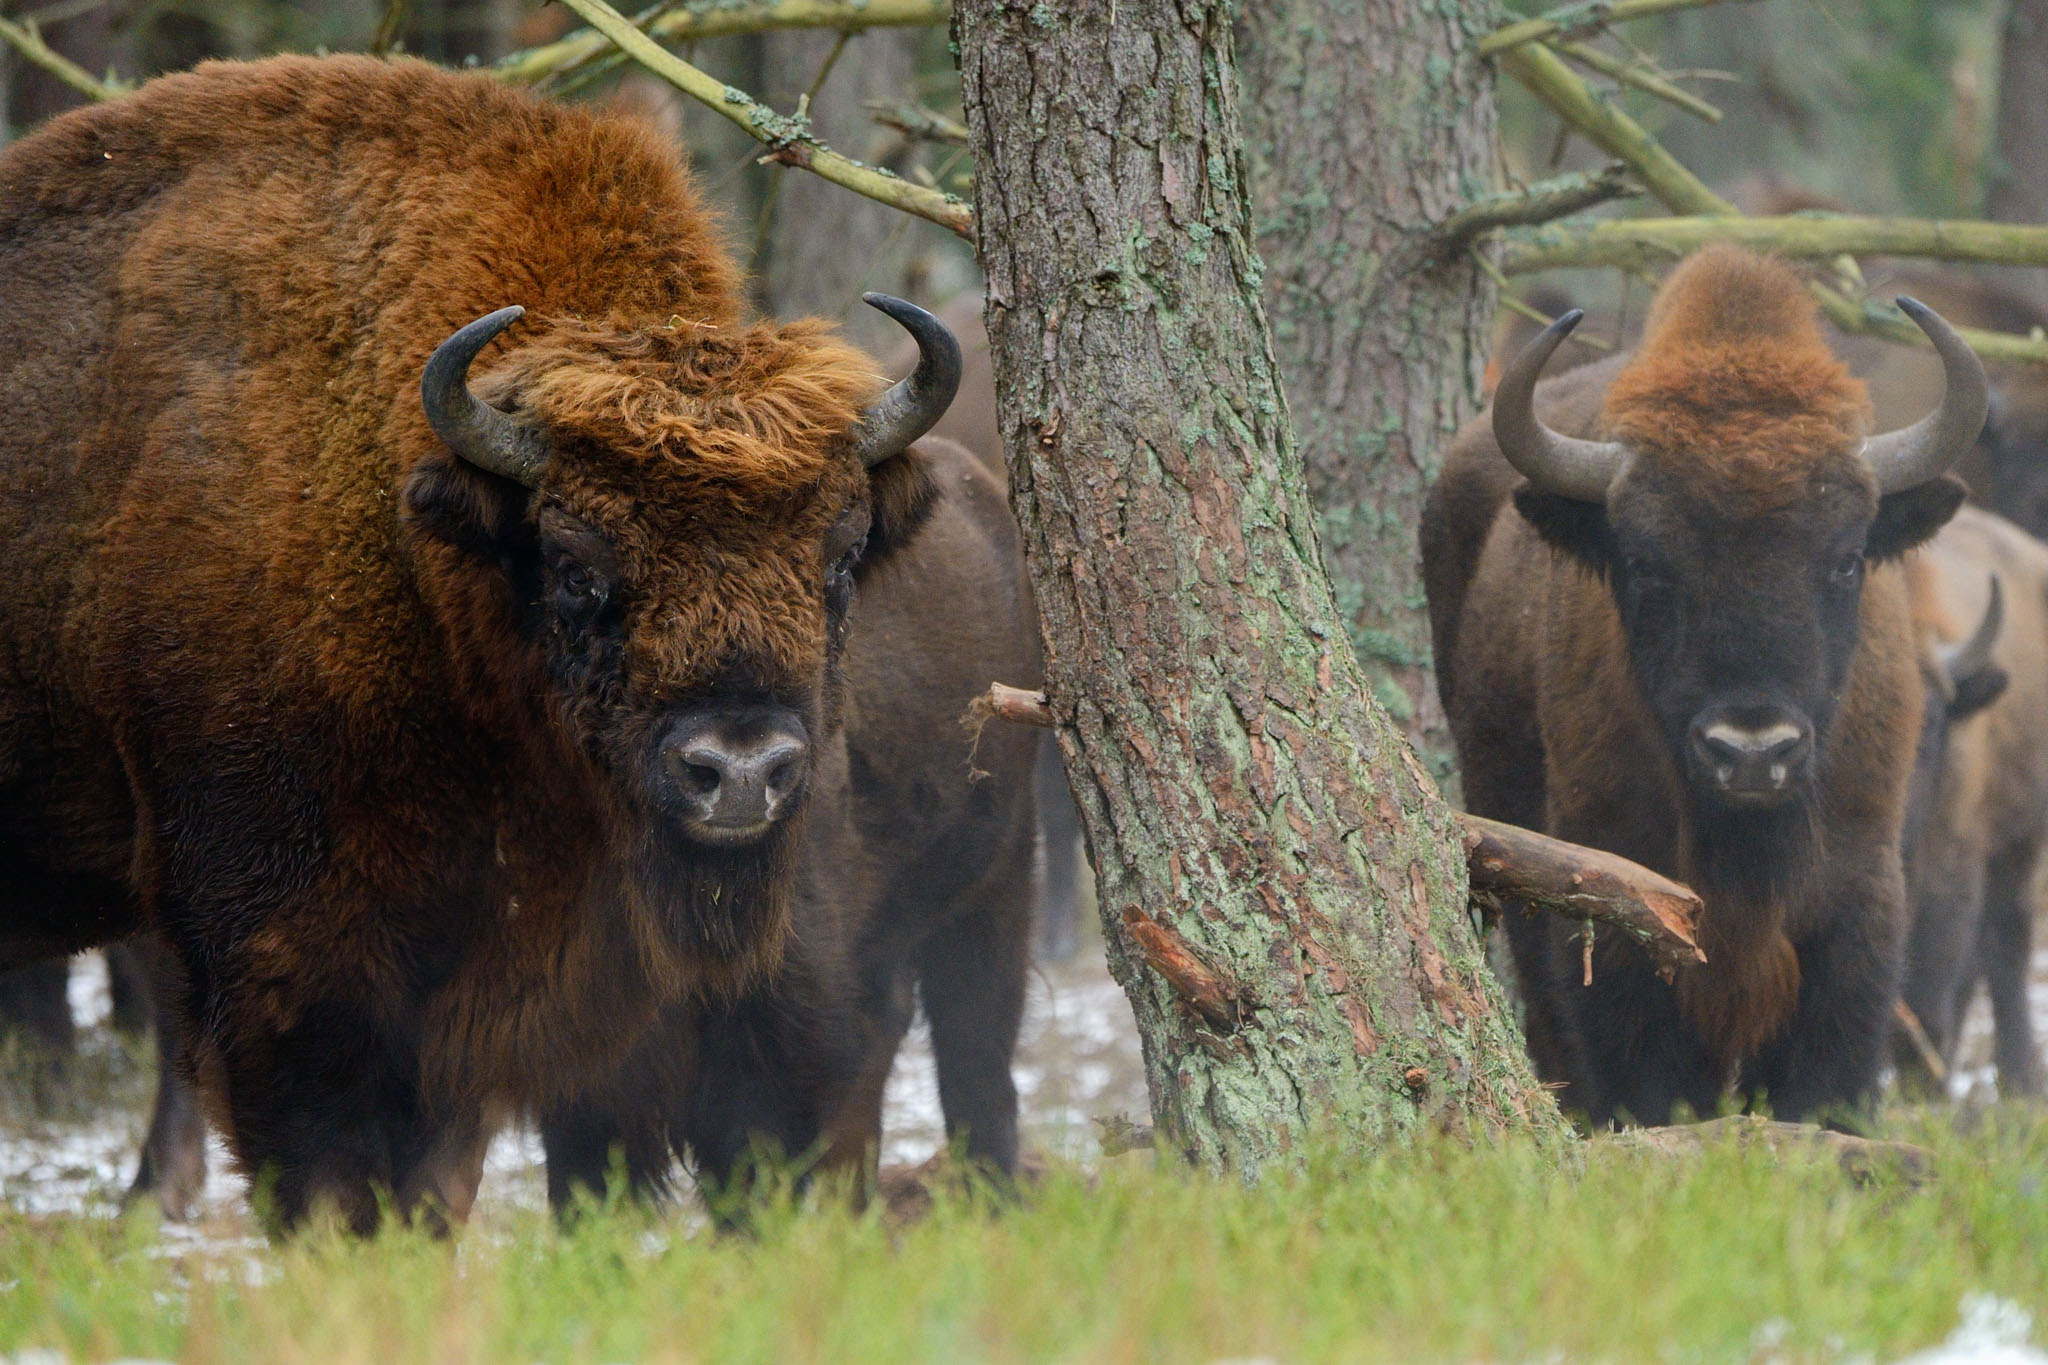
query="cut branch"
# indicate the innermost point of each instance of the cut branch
(27, 39)
(1641, 77)
(1507, 864)
(713, 20)
(1510, 865)
(1576, 21)
(1192, 979)
(789, 140)
(1539, 203)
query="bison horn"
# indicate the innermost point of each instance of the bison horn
(485, 437)
(914, 404)
(1553, 462)
(1964, 660)
(1926, 450)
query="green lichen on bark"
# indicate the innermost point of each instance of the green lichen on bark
(1239, 786)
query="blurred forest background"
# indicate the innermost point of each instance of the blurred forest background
(1924, 107)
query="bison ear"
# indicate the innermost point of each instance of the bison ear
(1908, 517)
(1975, 691)
(1578, 528)
(457, 505)
(901, 492)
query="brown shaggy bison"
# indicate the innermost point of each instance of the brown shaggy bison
(1669, 624)
(1971, 867)
(443, 688)
(914, 884)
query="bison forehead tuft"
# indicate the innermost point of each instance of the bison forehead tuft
(1735, 395)
(751, 414)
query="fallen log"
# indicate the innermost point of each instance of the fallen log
(1514, 868)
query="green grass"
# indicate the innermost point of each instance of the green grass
(1446, 1255)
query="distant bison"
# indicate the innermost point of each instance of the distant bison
(1668, 623)
(445, 691)
(1972, 866)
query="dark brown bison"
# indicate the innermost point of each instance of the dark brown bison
(1972, 864)
(971, 421)
(915, 884)
(1669, 624)
(443, 690)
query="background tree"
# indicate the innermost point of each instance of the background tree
(1367, 124)
(1283, 889)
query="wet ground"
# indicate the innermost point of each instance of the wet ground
(1078, 1061)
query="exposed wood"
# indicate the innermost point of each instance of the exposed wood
(1510, 866)
(788, 138)
(1194, 980)
(688, 23)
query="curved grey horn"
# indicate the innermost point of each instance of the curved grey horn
(1559, 464)
(1926, 450)
(473, 429)
(1962, 660)
(914, 404)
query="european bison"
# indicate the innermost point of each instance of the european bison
(1668, 623)
(1971, 871)
(444, 689)
(915, 883)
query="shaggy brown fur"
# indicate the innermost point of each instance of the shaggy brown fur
(292, 686)
(1576, 644)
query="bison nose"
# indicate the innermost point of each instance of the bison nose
(737, 775)
(1752, 755)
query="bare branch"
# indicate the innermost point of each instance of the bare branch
(711, 19)
(1539, 203)
(789, 140)
(390, 27)
(1637, 243)
(914, 120)
(1576, 21)
(26, 39)
(1510, 865)
(1641, 77)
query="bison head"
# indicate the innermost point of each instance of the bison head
(1734, 521)
(655, 534)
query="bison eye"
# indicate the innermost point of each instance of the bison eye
(1848, 570)
(579, 593)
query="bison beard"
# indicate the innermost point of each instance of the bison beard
(1746, 866)
(363, 680)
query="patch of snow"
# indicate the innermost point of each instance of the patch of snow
(1993, 1331)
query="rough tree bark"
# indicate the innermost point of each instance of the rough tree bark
(1367, 124)
(1256, 820)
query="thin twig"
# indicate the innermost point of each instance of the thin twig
(1514, 305)
(789, 140)
(26, 39)
(712, 20)
(1641, 77)
(1577, 20)
(391, 27)
(915, 121)
(1539, 203)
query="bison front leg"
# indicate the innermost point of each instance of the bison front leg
(2006, 951)
(173, 1164)
(1824, 1066)
(971, 975)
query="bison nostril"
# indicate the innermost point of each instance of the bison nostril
(699, 778)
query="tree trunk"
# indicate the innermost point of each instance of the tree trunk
(1366, 125)
(2018, 192)
(1281, 886)
(822, 246)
